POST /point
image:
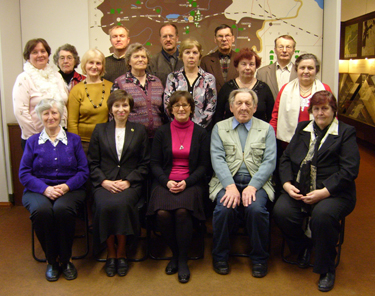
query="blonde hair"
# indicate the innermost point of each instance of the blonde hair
(91, 54)
(188, 44)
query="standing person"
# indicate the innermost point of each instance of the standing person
(66, 59)
(220, 63)
(119, 156)
(167, 60)
(38, 81)
(243, 156)
(317, 170)
(179, 169)
(278, 74)
(146, 89)
(200, 84)
(115, 63)
(87, 104)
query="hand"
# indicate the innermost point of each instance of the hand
(52, 193)
(232, 197)
(176, 187)
(62, 188)
(248, 195)
(113, 186)
(292, 190)
(315, 196)
(123, 184)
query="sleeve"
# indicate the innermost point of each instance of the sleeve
(157, 157)
(275, 111)
(64, 93)
(222, 98)
(269, 102)
(326, 86)
(170, 88)
(210, 98)
(74, 104)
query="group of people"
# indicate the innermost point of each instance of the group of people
(171, 119)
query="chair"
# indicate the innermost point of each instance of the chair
(338, 246)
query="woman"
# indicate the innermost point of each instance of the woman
(67, 59)
(246, 63)
(317, 170)
(118, 159)
(54, 170)
(146, 89)
(179, 159)
(293, 100)
(38, 81)
(200, 84)
(87, 104)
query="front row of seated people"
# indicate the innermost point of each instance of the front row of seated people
(317, 171)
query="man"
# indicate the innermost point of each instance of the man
(281, 72)
(243, 155)
(220, 62)
(115, 64)
(167, 60)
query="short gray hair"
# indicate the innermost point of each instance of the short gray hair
(133, 48)
(47, 104)
(235, 92)
(71, 49)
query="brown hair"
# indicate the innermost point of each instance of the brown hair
(247, 53)
(119, 95)
(188, 44)
(176, 96)
(31, 44)
(323, 97)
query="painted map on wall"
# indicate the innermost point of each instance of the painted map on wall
(256, 23)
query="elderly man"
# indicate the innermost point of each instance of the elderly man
(243, 155)
(220, 63)
(115, 64)
(283, 71)
(167, 60)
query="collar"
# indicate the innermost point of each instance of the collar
(119, 58)
(289, 66)
(168, 56)
(43, 137)
(221, 55)
(333, 129)
(248, 124)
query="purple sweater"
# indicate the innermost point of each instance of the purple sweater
(45, 165)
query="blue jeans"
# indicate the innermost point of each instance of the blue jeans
(255, 217)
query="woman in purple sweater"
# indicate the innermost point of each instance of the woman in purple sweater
(54, 171)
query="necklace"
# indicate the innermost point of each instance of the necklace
(88, 96)
(250, 83)
(304, 92)
(181, 142)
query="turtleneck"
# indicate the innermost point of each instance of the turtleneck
(182, 125)
(67, 77)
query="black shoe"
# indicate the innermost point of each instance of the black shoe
(303, 259)
(110, 267)
(183, 278)
(326, 282)
(260, 270)
(52, 272)
(69, 271)
(221, 267)
(122, 266)
(171, 268)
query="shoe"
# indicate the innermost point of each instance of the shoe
(183, 278)
(303, 259)
(69, 271)
(326, 282)
(122, 266)
(110, 267)
(171, 268)
(221, 267)
(260, 270)
(52, 272)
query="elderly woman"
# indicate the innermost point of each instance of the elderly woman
(38, 81)
(146, 89)
(317, 170)
(87, 104)
(54, 170)
(293, 100)
(118, 159)
(179, 159)
(67, 59)
(200, 84)
(246, 63)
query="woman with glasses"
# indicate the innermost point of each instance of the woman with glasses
(179, 159)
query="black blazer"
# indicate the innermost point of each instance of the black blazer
(135, 158)
(161, 155)
(337, 164)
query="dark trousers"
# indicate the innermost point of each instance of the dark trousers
(256, 218)
(54, 222)
(324, 225)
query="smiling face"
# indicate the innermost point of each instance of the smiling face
(306, 72)
(190, 57)
(284, 50)
(181, 110)
(120, 110)
(246, 68)
(39, 56)
(51, 118)
(138, 60)
(224, 40)
(243, 107)
(323, 115)
(119, 39)
(66, 61)
(168, 39)
(94, 67)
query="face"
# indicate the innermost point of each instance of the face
(190, 57)
(224, 40)
(94, 67)
(243, 107)
(39, 56)
(66, 61)
(284, 50)
(168, 39)
(121, 110)
(181, 110)
(323, 115)
(51, 118)
(138, 60)
(246, 68)
(119, 38)
(306, 72)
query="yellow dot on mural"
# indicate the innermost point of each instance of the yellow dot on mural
(191, 18)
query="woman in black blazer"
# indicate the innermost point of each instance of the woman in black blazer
(179, 159)
(118, 159)
(317, 171)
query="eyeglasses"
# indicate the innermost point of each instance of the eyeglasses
(69, 58)
(288, 47)
(168, 36)
(184, 106)
(220, 37)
